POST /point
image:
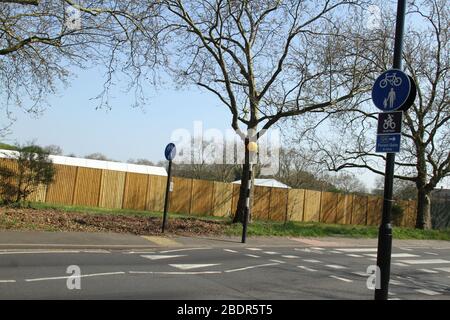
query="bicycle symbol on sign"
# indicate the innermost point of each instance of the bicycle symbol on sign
(392, 79)
(389, 123)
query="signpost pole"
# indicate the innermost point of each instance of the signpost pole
(166, 201)
(385, 230)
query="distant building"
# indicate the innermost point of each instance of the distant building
(97, 164)
(267, 183)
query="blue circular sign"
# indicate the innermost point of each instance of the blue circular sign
(170, 151)
(391, 90)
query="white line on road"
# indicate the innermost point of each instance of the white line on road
(39, 252)
(399, 264)
(277, 261)
(431, 253)
(395, 255)
(342, 279)
(428, 292)
(306, 268)
(229, 250)
(396, 283)
(7, 281)
(291, 257)
(186, 249)
(428, 271)
(317, 248)
(334, 251)
(193, 266)
(335, 266)
(425, 261)
(175, 272)
(358, 250)
(443, 269)
(252, 255)
(354, 255)
(361, 274)
(159, 257)
(271, 252)
(254, 249)
(80, 276)
(312, 261)
(253, 267)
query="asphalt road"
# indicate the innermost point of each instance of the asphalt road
(227, 272)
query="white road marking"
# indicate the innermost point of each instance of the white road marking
(277, 261)
(291, 257)
(312, 260)
(334, 251)
(358, 250)
(72, 276)
(317, 248)
(271, 252)
(306, 268)
(252, 256)
(394, 299)
(7, 281)
(253, 267)
(425, 261)
(406, 249)
(428, 271)
(431, 253)
(394, 255)
(229, 250)
(342, 279)
(396, 283)
(428, 292)
(193, 266)
(254, 249)
(361, 274)
(354, 255)
(399, 264)
(175, 272)
(159, 257)
(335, 266)
(39, 252)
(138, 252)
(443, 269)
(186, 249)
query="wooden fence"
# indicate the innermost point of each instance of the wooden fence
(125, 190)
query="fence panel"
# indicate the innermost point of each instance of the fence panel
(328, 207)
(374, 210)
(223, 198)
(111, 189)
(312, 206)
(156, 193)
(235, 200)
(61, 190)
(260, 205)
(180, 198)
(202, 197)
(278, 204)
(359, 210)
(135, 191)
(296, 200)
(87, 187)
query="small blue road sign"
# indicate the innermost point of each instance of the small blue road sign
(170, 151)
(388, 143)
(391, 90)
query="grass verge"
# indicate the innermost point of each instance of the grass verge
(256, 228)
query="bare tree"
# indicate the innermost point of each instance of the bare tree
(43, 41)
(425, 156)
(265, 60)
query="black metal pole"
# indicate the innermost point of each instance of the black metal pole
(247, 205)
(166, 201)
(385, 230)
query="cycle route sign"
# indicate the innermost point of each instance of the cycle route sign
(391, 90)
(389, 132)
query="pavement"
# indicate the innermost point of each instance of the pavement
(48, 265)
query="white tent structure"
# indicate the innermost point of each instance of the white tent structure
(97, 164)
(267, 183)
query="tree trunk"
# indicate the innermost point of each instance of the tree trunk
(239, 214)
(423, 220)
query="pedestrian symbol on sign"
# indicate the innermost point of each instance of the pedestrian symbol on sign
(391, 90)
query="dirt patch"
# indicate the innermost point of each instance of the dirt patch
(56, 220)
